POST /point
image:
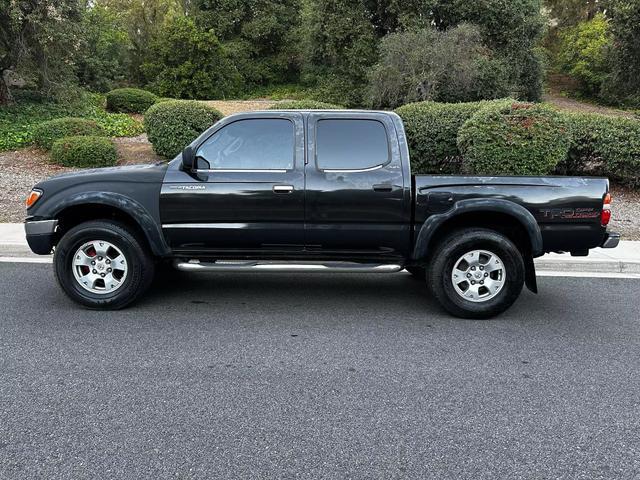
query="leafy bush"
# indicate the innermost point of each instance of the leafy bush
(513, 139)
(427, 64)
(19, 120)
(84, 151)
(188, 61)
(172, 125)
(583, 50)
(602, 145)
(304, 105)
(48, 132)
(130, 100)
(432, 131)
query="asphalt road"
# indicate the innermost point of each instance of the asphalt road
(317, 376)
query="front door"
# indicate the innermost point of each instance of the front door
(247, 193)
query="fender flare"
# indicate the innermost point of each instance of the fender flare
(491, 205)
(131, 207)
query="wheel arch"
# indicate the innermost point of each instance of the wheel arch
(504, 216)
(111, 206)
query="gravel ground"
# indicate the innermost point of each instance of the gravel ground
(329, 376)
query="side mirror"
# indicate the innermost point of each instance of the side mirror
(188, 158)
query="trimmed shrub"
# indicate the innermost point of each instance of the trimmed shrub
(84, 151)
(173, 124)
(48, 132)
(130, 100)
(514, 139)
(304, 105)
(603, 145)
(432, 132)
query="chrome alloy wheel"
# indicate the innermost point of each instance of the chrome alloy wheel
(99, 267)
(478, 275)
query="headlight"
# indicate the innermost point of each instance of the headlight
(33, 197)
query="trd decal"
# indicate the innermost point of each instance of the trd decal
(569, 213)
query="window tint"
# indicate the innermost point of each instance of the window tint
(255, 144)
(351, 144)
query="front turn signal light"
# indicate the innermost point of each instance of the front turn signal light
(33, 197)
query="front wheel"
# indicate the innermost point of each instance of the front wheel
(103, 264)
(476, 273)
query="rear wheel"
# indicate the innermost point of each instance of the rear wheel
(103, 264)
(476, 273)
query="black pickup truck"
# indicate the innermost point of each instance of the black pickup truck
(307, 191)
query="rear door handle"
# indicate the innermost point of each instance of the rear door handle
(282, 188)
(383, 187)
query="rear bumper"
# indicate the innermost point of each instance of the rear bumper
(611, 240)
(40, 235)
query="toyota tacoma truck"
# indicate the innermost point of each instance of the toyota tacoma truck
(311, 191)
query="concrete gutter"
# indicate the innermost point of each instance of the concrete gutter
(625, 259)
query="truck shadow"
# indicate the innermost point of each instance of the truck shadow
(376, 295)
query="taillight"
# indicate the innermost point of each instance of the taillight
(606, 210)
(33, 197)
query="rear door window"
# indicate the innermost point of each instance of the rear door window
(350, 144)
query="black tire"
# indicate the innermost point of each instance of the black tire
(457, 244)
(140, 264)
(418, 273)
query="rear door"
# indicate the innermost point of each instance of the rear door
(355, 188)
(247, 194)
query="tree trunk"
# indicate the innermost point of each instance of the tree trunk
(5, 94)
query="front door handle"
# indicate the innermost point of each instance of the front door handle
(384, 187)
(282, 188)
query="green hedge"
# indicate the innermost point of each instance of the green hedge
(48, 132)
(432, 132)
(172, 125)
(130, 100)
(603, 145)
(304, 105)
(514, 139)
(84, 151)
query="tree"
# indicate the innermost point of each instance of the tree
(623, 84)
(447, 66)
(257, 34)
(189, 62)
(339, 45)
(103, 60)
(582, 52)
(37, 39)
(144, 21)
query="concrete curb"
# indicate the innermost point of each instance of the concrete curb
(625, 259)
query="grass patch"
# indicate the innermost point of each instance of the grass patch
(19, 120)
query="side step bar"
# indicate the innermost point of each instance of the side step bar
(255, 266)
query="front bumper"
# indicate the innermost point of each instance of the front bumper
(41, 235)
(611, 240)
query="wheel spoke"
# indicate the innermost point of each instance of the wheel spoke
(101, 248)
(472, 292)
(82, 259)
(119, 262)
(459, 274)
(494, 265)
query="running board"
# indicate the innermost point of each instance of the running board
(256, 266)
